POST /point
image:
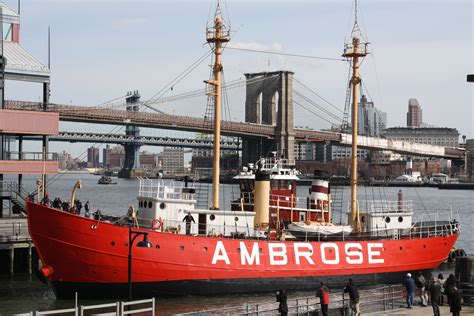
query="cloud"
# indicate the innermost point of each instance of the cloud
(273, 47)
(135, 21)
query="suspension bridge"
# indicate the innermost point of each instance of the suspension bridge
(273, 102)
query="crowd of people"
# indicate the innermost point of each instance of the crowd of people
(75, 208)
(433, 291)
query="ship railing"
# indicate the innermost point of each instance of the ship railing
(440, 223)
(272, 163)
(210, 230)
(385, 206)
(161, 190)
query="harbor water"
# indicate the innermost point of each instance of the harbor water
(23, 293)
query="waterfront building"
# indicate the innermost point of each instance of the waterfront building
(329, 152)
(305, 151)
(438, 136)
(171, 160)
(371, 121)
(415, 114)
(385, 157)
(470, 158)
(18, 64)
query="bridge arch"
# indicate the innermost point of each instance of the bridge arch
(269, 101)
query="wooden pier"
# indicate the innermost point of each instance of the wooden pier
(16, 247)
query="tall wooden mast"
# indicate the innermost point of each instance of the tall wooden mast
(217, 35)
(354, 51)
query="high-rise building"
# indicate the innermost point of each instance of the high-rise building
(371, 121)
(106, 156)
(415, 114)
(93, 157)
(172, 160)
(438, 136)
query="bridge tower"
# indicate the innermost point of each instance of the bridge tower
(269, 100)
(131, 167)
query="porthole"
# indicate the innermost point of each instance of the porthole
(212, 217)
(205, 249)
(400, 219)
(162, 205)
(150, 204)
(362, 219)
(113, 243)
(236, 219)
(181, 247)
(424, 246)
(157, 246)
(387, 220)
(401, 248)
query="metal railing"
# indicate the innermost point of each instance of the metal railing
(16, 193)
(158, 189)
(118, 308)
(371, 300)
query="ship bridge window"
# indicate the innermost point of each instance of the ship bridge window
(150, 204)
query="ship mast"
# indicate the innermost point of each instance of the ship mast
(353, 51)
(217, 35)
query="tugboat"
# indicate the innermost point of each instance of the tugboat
(244, 249)
(106, 180)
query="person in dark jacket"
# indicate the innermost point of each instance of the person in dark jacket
(421, 285)
(188, 219)
(435, 294)
(449, 286)
(282, 298)
(351, 288)
(410, 287)
(441, 282)
(455, 301)
(87, 208)
(323, 294)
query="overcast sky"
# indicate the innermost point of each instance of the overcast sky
(101, 49)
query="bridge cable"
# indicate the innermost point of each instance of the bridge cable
(283, 54)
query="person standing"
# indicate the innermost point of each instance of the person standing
(441, 281)
(282, 299)
(188, 219)
(421, 284)
(410, 288)
(435, 293)
(351, 288)
(87, 208)
(455, 301)
(323, 294)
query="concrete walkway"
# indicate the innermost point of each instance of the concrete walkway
(418, 310)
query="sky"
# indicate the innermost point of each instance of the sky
(102, 49)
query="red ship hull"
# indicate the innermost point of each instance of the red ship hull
(81, 255)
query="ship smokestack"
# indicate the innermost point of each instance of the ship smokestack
(262, 198)
(320, 192)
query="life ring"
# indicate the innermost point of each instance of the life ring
(157, 224)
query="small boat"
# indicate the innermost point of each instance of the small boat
(317, 230)
(106, 180)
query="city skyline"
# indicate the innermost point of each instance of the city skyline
(87, 48)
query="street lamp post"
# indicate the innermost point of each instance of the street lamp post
(132, 235)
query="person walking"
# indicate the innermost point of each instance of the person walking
(455, 300)
(421, 285)
(410, 288)
(188, 219)
(435, 294)
(449, 287)
(323, 294)
(351, 288)
(282, 299)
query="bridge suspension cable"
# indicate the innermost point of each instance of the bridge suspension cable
(283, 54)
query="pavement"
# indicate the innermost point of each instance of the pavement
(419, 310)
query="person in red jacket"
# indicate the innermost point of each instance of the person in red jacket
(323, 294)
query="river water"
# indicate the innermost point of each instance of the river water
(23, 294)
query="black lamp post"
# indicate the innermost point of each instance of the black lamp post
(132, 235)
